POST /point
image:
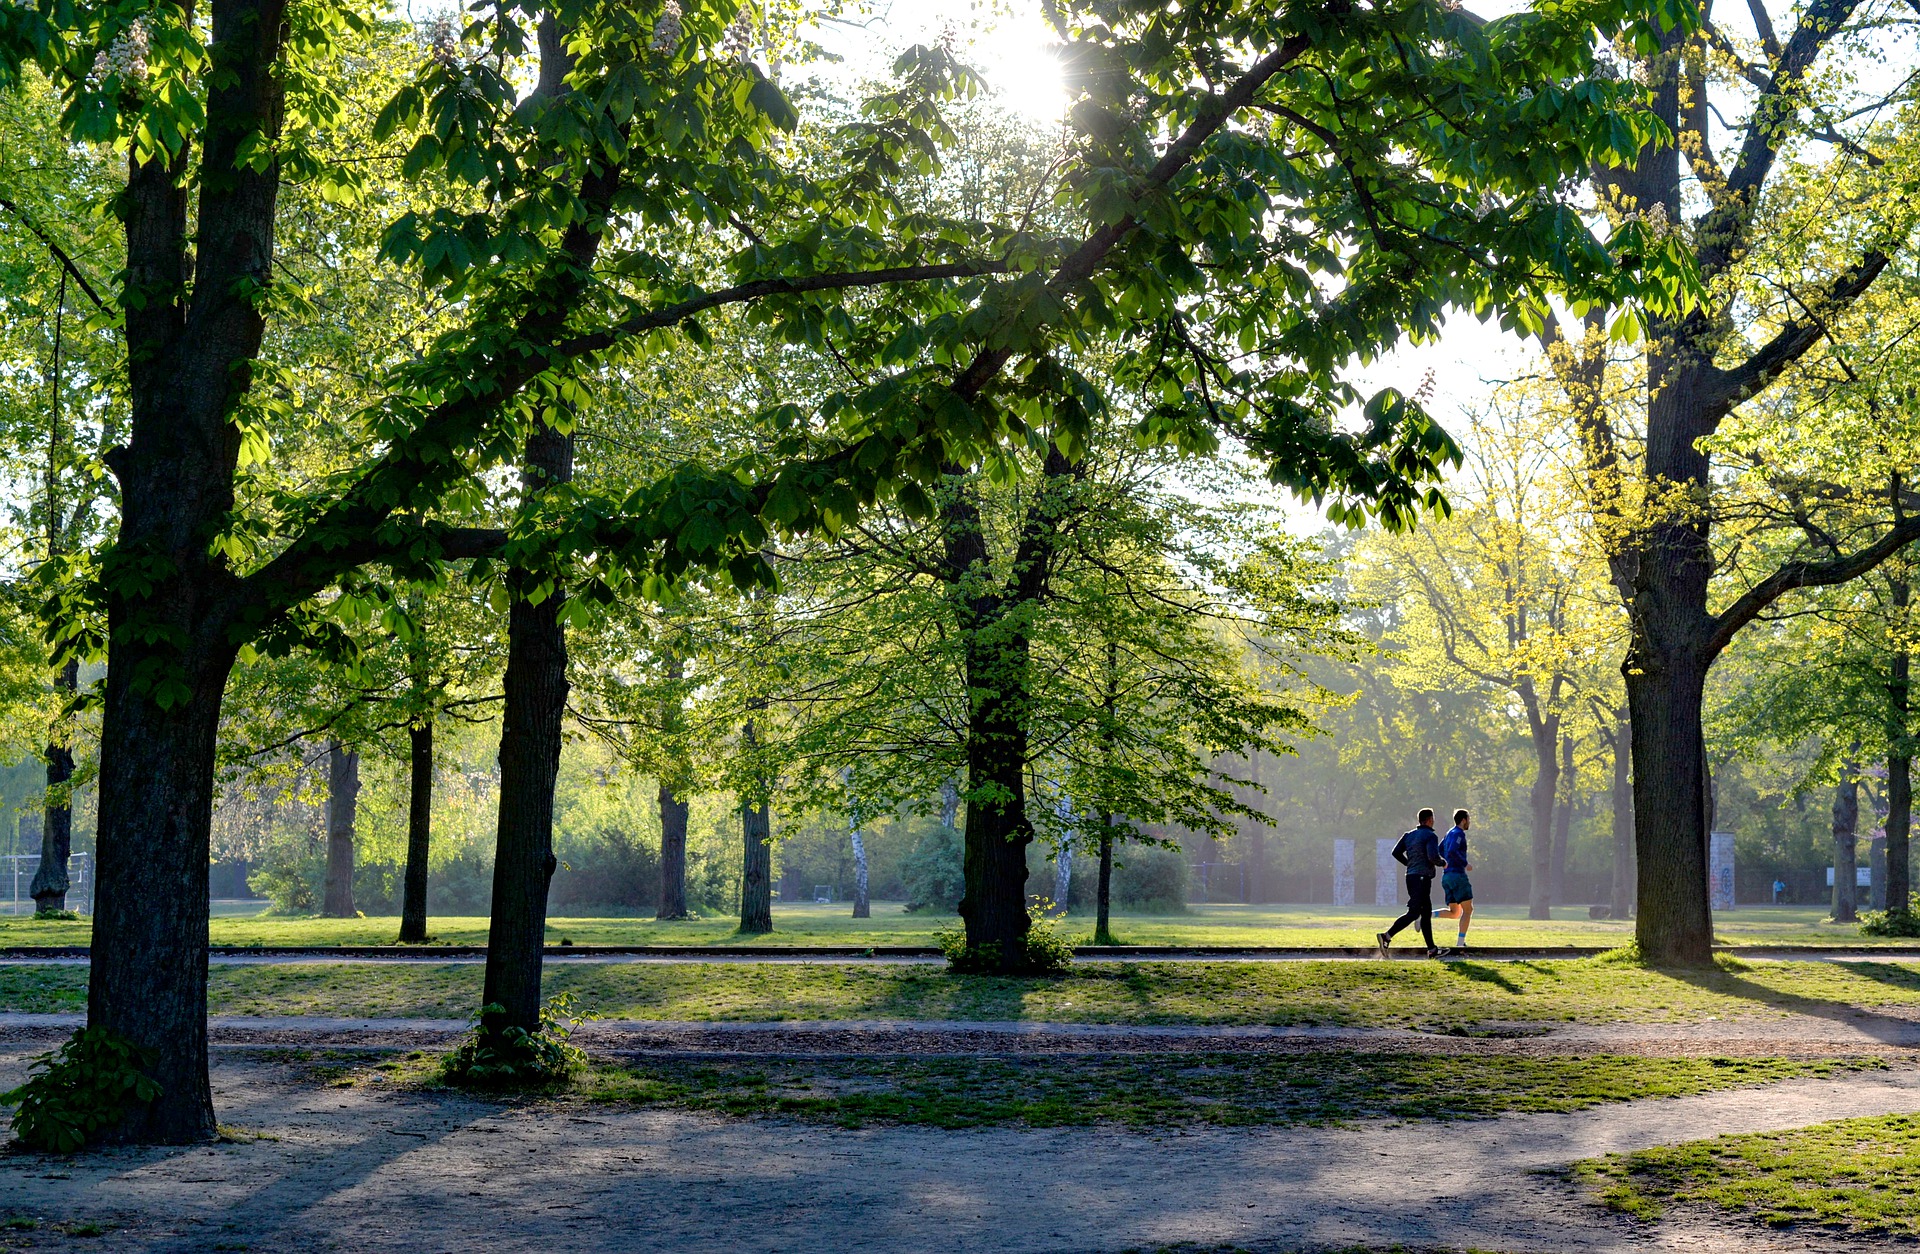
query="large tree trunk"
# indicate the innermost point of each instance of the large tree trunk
(413, 889)
(673, 855)
(1563, 821)
(343, 797)
(1674, 926)
(190, 348)
(148, 978)
(1899, 757)
(756, 877)
(1546, 787)
(994, 907)
(50, 881)
(1621, 901)
(1846, 825)
(531, 728)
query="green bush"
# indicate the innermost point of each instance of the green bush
(515, 1057)
(1150, 878)
(932, 871)
(73, 1093)
(1048, 952)
(1890, 923)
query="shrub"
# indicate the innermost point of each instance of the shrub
(1150, 878)
(78, 1090)
(605, 867)
(57, 916)
(932, 871)
(1048, 952)
(1890, 923)
(515, 1057)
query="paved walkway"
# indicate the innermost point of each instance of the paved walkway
(362, 1169)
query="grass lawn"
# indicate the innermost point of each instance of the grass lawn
(1155, 1091)
(1854, 1176)
(1416, 993)
(802, 923)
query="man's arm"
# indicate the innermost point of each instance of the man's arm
(1400, 851)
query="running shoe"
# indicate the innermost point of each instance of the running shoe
(1380, 942)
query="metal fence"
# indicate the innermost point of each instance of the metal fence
(16, 882)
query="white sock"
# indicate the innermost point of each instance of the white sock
(1463, 940)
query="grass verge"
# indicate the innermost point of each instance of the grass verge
(1858, 1176)
(1463, 996)
(1143, 1092)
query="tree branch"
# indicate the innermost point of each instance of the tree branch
(1807, 575)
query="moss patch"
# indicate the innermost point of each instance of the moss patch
(1856, 1175)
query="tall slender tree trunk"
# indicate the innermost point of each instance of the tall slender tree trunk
(673, 855)
(1546, 787)
(1846, 824)
(1563, 820)
(756, 856)
(413, 888)
(1103, 892)
(862, 908)
(1899, 755)
(50, 882)
(343, 797)
(1621, 901)
(532, 724)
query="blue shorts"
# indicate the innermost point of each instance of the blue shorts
(1457, 887)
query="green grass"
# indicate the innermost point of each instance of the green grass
(1139, 1091)
(1464, 995)
(1858, 1176)
(802, 923)
(1151, 1092)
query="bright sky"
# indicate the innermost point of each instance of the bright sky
(1007, 41)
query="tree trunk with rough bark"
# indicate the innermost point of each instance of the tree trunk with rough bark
(343, 798)
(1846, 824)
(50, 882)
(1563, 821)
(1621, 901)
(1673, 926)
(189, 350)
(532, 723)
(673, 855)
(413, 887)
(996, 660)
(756, 880)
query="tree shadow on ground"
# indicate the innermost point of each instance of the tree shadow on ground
(1888, 1029)
(1485, 973)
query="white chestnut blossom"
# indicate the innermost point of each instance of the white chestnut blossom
(738, 41)
(125, 58)
(666, 31)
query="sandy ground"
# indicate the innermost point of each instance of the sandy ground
(353, 1169)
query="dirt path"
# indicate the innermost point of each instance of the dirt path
(368, 1170)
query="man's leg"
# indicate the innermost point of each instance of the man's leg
(1466, 918)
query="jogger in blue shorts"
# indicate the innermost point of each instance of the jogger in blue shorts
(1453, 877)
